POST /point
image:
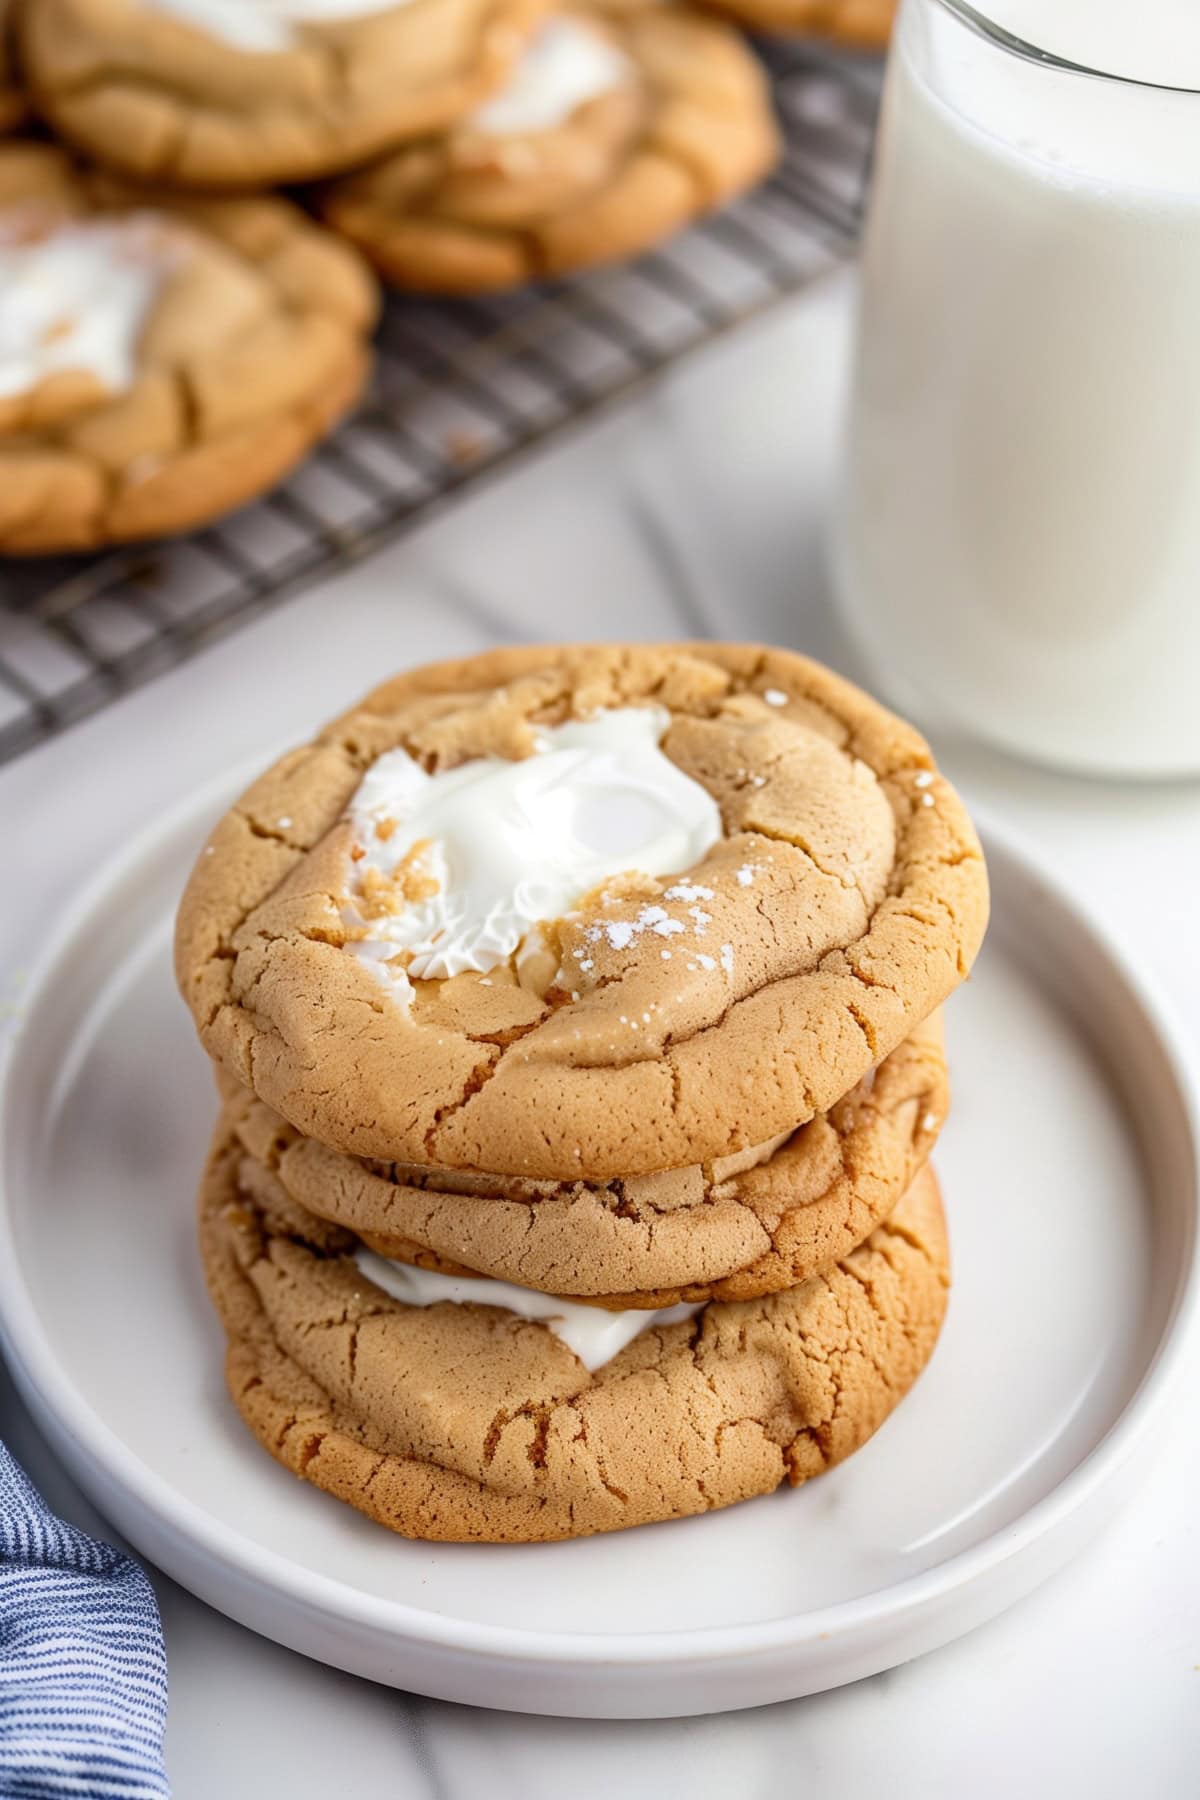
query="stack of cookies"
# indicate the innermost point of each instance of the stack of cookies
(575, 1015)
(172, 339)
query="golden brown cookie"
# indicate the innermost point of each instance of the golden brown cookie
(14, 107)
(465, 1422)
(671, 1020)
(166, 359)
(731, 1231)
(610, 135)
(866, 24)
(229, 93)
(862, 24)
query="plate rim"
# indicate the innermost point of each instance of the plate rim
(96, 1457)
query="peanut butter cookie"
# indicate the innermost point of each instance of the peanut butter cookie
(865, 24)
(164, 359)
(611, 134)
(238, 93)
(732, 1230)
(582, 913)
(469, 1422)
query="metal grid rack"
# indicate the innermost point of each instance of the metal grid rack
(460, 389)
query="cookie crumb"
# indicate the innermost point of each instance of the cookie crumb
(410, 879)
(378, 899)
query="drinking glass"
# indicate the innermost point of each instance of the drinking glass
(1017, 540)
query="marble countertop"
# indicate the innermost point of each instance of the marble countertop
(699, 511)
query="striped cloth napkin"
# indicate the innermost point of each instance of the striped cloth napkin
(83, 1673)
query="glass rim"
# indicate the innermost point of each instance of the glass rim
(1003, 39)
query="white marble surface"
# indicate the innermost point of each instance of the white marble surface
(699, 511)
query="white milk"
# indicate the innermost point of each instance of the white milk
(1019, 542)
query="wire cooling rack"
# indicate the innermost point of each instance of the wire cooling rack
(460, 389)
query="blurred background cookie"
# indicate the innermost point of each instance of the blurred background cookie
(13, 105)
(864, 22)
(610, 134)
(244, 93)
(161, 361)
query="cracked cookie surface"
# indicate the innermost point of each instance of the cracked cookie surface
(155, 96)
(685, 124)
(867, 904)
(756, 1225)
(251, 345)
(467, 1423)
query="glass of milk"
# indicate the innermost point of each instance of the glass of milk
(1017, 546)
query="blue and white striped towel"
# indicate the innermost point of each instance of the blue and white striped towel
(83, 1673)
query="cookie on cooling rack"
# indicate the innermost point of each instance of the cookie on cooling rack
(161, 360)
(866, 24)
(242, 93)
(610, 134)
(459, 1413)
(583, 912)
(733, 1229)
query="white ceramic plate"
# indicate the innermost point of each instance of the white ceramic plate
(1069, 1167)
